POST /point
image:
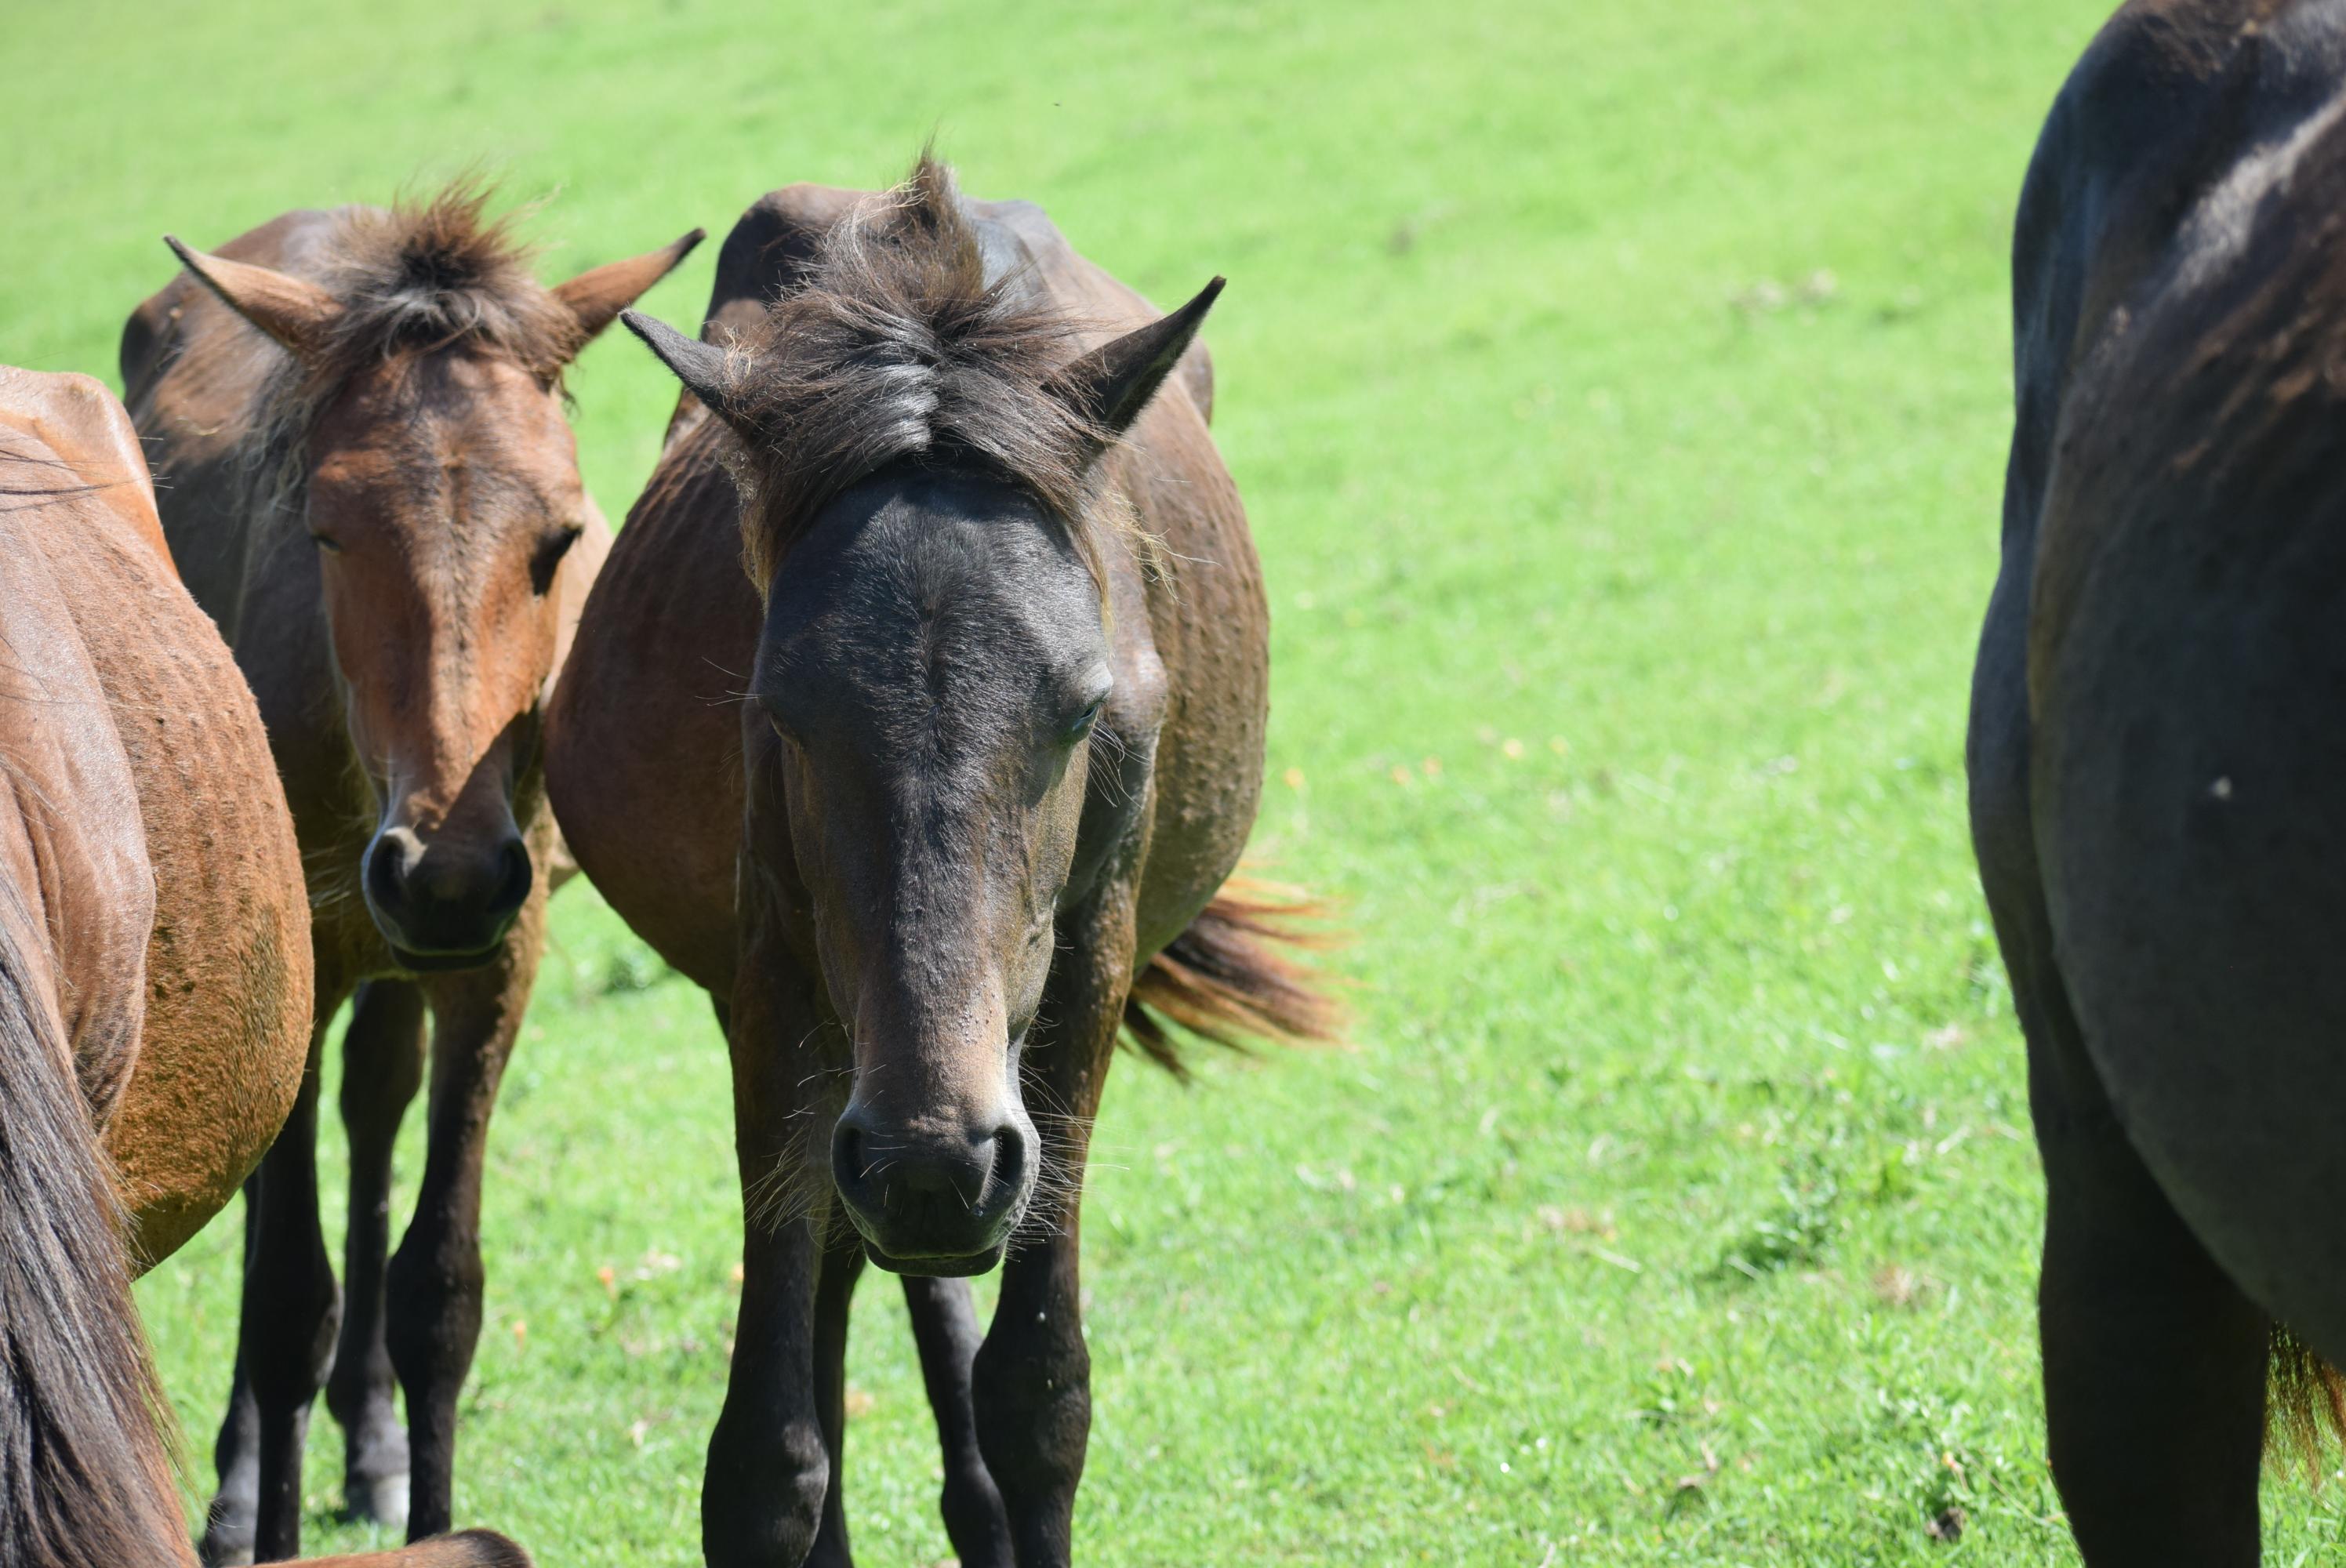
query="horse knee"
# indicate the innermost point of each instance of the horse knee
(1034, 1413)
(432, 1309)
(762, 1504)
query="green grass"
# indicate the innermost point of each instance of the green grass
(1619, 394)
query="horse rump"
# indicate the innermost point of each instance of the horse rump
(1228, 979)
(85, 1473)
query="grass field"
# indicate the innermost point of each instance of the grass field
(1620, 403)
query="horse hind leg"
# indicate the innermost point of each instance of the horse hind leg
(947, 1332)
(382, 1067)
(843, 1263)
(2155, 1361)
(227, 1541)
(285, 1344)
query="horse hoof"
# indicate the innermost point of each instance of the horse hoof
(379, 1500)
(227, 1543)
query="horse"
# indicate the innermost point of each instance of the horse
(942, 493)
(356, 419)
(154, 985)
(2154, 754)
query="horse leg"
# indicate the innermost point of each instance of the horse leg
(236, 1456)
(834, 1292)
(383, 1066)
(763, 1493)
(944, 1328)
(1032, 1378)
(2154, 1362)
(290, 1312)
(432, 1296)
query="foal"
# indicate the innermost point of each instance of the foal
(369, 482)
(1005, 635)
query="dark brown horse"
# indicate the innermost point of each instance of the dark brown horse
(356, 418)
(154, 975)
(2156, 748)
(1003, 634)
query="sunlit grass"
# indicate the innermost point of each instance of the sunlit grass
(1619, 394)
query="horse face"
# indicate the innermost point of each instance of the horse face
(443, 490)
(931, 666)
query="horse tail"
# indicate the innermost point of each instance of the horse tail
(2305, 1405)
(85, 1478)
(1228, 979)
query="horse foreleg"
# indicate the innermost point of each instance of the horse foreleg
(383, 1066)
(762, 1495)
(944, 1328)
(432, 1296)
(286, 1332)
(1032, 1379)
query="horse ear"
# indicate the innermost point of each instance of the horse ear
(293, 310)
(701, 367)
(597, 296)
(1110, 385)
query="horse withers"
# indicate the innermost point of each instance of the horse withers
(155, 984)
(368, 480)
(1004, 639)
(2156, 752)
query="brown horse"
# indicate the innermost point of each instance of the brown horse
(368, 480)
(2155, 757)
(154, 978)
(1004, 633)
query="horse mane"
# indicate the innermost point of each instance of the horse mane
(896, 348)
(431, 274)
(413, 279)
(85, 1478)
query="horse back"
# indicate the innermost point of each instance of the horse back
(226, 964)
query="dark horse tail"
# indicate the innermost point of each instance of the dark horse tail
(85, 1478)
(1229, 978)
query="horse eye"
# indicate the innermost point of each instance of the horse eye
(1086, 719)
(550, 552)
(325, 544)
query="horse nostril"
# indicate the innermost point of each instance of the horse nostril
(386, 871)
(514, 890)
(1009, 1166)
(847, 1157)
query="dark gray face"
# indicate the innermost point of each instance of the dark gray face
(934, 660)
